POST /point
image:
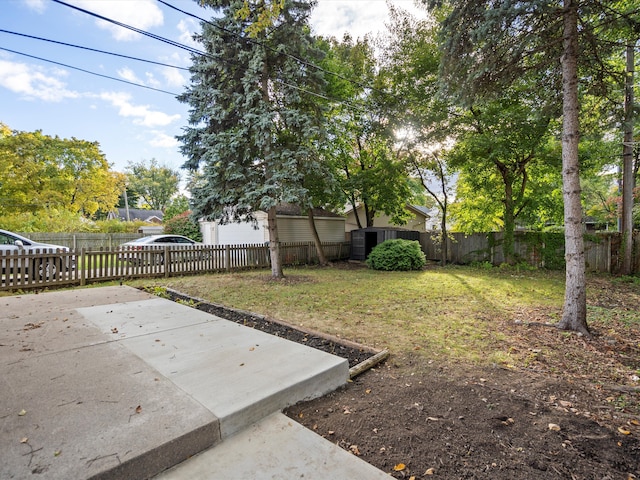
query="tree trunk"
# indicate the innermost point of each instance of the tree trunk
(509, 223)
(322, 259)
(444, 240)
(628, 180)
(574, 315)
(274, 244)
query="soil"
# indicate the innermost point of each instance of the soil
(548, 421)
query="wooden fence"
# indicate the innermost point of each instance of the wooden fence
(602, 250)
(80, 267)
(79, 240)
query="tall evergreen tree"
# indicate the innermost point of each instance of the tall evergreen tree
(252, 125)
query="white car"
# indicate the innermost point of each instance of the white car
(154, 243)
(46, 265)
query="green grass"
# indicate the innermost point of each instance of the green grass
(458, 313)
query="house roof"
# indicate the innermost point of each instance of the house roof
(417, 209)
(295, 210)
(139, 214)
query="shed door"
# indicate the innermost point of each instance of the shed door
(370, 241)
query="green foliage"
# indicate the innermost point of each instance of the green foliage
(39, 173)
(397, 255)
(184, 224)
(360, 148)
(254, 119)
(64, 222)
(155, 184)
(177, 205)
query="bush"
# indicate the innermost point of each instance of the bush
(183, 224)
(398, 254)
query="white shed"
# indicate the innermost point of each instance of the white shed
(293, 226)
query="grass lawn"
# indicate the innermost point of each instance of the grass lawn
(456, 314)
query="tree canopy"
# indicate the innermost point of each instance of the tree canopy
(153, 183)
(253, 119)
(40, 172)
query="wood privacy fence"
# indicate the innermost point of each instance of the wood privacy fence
(80, 240)
(80, 267)
(542, 250)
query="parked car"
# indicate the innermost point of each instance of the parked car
(41, 259)
(156, 244)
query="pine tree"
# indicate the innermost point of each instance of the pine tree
(253, 121)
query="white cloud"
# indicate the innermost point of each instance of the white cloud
(163, 140)
(129, 75)
(141, 114)
(173, 77)
(332, 18)
(187, 28)
(151, 80)
(34, 82)
(142, 14)
(38, 6)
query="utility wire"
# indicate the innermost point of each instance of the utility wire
(93, 49)
(88, 71)
(302, 61)
(134, 29)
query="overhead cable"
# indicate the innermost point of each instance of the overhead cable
(88, 71)
(93, 49)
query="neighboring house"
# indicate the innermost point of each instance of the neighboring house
(136, 214)
(418, 221)
(293, 226)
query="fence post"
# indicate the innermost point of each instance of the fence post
(83, 269)
(227, 257)
(167, 262)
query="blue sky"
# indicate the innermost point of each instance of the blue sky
(129, 122)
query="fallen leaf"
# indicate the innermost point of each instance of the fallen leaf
(399, 467)
(634, 422)
(624, 431)
(57, 453)
(138, 409)
(346, 410)
(24, 440)
(555, 427)
(412, 477)
(252, 349)
(22, 413)
(114, 330)
(301, 415)
(430, 471)
(368, 390)
(354, 449)
(330, 432)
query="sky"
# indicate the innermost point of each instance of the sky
(131, 109)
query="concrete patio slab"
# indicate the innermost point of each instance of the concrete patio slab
(240, 374)
(275, 448)
(75, 405)
(112, 383)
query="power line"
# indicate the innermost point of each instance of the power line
(306, 63)
(182, 46)
(133, 29)
(88, 71)
(93, 49)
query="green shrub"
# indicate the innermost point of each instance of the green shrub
(184, 224)
(398, 254)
